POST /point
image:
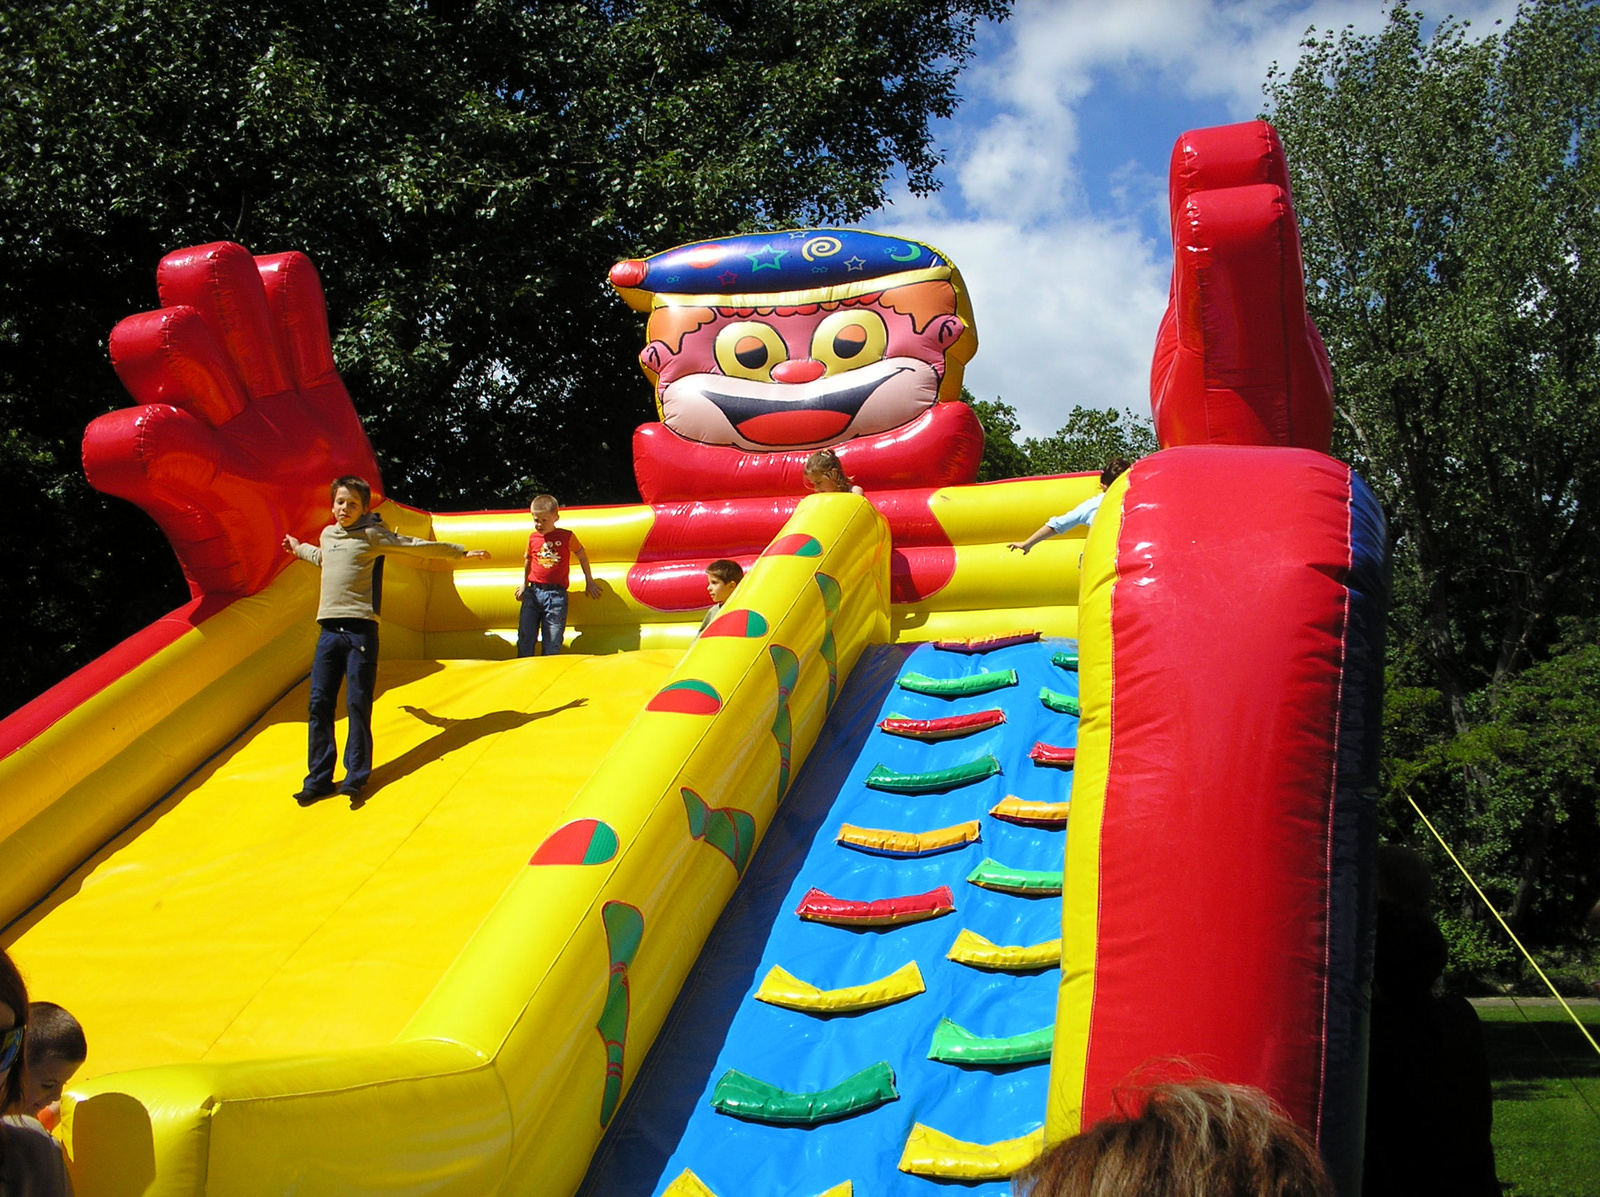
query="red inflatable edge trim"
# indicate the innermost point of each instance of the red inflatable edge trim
(36, 717)
(821, 907)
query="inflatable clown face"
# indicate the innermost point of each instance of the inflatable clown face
(799, 341)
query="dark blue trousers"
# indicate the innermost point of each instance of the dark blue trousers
(347, 650)
(543, 618)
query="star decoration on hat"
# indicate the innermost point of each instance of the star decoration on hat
(727, 278)
(855, 263)
(766, 258)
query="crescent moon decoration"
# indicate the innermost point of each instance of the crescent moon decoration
(821, 247)
(914, 252)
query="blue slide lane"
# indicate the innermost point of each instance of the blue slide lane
(667, 1123)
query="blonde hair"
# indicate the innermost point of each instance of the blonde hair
(544, 503)
(825, 462)
(1196, 1139)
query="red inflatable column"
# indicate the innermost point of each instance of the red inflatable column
(1216, 902)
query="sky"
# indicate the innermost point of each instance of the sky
(1054, 202)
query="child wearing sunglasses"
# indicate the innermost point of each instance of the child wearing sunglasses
(31, 1162)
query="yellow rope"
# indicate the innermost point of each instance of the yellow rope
(1470, 881)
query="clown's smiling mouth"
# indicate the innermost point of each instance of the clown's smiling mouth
(796, 421)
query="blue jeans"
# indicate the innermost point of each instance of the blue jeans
(347, 650)
(544, 615)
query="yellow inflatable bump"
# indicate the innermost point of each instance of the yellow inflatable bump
(908, 843)
(933, 1153)
(1035, 814)
(972, 948)
(781, 988)
(690, 1185)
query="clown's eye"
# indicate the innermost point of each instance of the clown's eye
(848, 340)
(749, 349)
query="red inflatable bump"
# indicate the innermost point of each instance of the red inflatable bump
(690, 697)
(580, 842)
(796, 544)
(1053, 754)
(746, 625)
(821, 907)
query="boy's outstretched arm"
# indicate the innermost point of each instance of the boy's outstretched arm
(590, 586)
(302, 550)
(394, 542)
(1044, 533)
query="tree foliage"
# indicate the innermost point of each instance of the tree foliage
(1447, 191)
(1448, 188)
(1090, 437)
(463, 174)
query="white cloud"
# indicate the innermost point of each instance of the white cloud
(1066, 315)
(1067, 300)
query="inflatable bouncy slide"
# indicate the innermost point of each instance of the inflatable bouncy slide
(921, 855)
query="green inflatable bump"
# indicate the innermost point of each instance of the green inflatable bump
(832, 599)
(624, 929)
(1066, 660)
(959, 687)
(729, 830)
(787, 667)
(1031, 883)
(953, 1044)
(1065, 703)
(743, 1096)
(935, 780)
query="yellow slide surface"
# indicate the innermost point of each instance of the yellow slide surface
(231, 924)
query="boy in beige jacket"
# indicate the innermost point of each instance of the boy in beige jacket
(348, 553)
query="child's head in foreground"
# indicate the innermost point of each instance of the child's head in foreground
(721, 577)
(824, 474)
(56, 1050)
(545, 511)
(1196, 1139)
(351, 498)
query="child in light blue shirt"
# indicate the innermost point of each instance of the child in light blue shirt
(1080, 516)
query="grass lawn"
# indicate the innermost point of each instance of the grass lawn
(1546, 1140)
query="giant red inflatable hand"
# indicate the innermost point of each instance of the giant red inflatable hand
(1238, 360)
(242, 419)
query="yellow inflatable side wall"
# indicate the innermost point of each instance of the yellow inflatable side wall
(471, 613)
(504, 1079)
(1080, 896)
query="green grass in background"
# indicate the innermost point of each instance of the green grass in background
(1546, 1140)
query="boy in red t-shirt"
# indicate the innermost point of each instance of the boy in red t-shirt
(545, 568)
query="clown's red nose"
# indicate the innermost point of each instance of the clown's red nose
(804, 369)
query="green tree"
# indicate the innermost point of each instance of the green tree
(462, 173)
(1448, 189)
(1529, 830)
(1091, 437)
